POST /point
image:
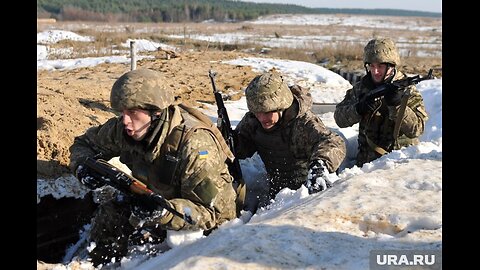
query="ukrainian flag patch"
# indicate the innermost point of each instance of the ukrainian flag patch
(203, 154)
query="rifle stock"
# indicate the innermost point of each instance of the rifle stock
(128, 185)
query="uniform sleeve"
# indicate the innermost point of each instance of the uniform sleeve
(325, 144)
(245, 146)
(415, 117)
(206, 189)
(345, 114)
(101, 139)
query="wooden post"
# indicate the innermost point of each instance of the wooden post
(184, 35)
(133, 56)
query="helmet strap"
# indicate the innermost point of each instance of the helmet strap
(391, 76)
(281, 113)
(154, 115)
(156, 123)
(365, 67)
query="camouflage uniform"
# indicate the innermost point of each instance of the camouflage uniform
(297, 139)
(201, 181)
(379, 125)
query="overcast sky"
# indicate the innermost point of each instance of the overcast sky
(424, 5)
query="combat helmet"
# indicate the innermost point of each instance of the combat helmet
(268, 92)
(141, 88)
(381, 50)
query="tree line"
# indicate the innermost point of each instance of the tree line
(185, 10)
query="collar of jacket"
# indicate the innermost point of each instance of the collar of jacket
(290, 113)
(171, 118)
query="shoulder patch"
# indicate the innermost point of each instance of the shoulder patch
(203, 154)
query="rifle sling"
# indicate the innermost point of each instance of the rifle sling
(375, 147)
(399, 118)
(208, 123)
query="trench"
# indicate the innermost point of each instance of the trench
(59, 222)
(353, 76)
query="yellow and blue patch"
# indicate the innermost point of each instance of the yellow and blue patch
(203, 154)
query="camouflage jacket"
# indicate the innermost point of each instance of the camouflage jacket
(379, 127)
(201, 182)
(297, 139)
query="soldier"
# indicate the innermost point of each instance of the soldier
(291, 140)
(382, 127)
(174, 149)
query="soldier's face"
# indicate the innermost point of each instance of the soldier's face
(136, 123)
(268, 119)
(379, 71)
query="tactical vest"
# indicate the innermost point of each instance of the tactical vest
(283, 169)
(377, 130)
(166, 169)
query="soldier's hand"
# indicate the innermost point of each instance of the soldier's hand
(367, 106)
(393, 97)
(145, 213)
(85, 178)
(317, 178)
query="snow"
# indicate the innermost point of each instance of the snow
(394, 202)
(147, 45)
(54, 36)
(323, 83)
(346, 20)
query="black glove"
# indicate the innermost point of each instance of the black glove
(367, 106)
(393, 97)
(317, 179)
(85, 178)
(145, 212)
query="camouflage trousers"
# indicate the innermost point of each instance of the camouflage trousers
(113, 234)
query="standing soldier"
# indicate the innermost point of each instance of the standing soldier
(389, 122)
(173, 149)
(291, 140)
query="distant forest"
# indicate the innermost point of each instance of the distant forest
(187, 10)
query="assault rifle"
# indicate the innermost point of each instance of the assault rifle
(400, 85)
(110, 175)
(223, 124)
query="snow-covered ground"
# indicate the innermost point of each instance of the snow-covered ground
(421, 42)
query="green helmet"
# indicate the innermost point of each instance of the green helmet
(381, 50)
(268, 92)
(141, 88)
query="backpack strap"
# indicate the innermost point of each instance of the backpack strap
(238, 184)
(399, 118)
(375, 147)
(208, 124)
